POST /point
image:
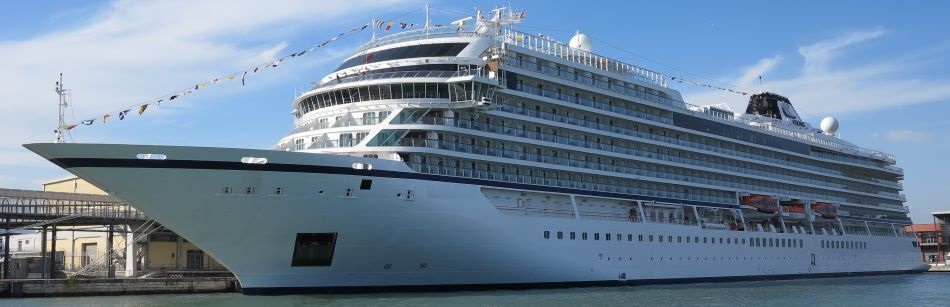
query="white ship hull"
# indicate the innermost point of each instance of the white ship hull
(447, 234)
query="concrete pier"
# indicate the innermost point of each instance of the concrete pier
(111, 286)
(939, 268)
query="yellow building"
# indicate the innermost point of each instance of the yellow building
(72, 185)
(163, 250)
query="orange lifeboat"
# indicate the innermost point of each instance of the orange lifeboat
(793, 209)
(761, 203)
(793, 206)
(825, 210)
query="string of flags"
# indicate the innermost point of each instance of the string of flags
(168, 98)
(700, 84)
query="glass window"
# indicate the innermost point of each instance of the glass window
(431, 90)
(573, 235)
(384, 92)
(419, 90)
(414, 51)
(443, 91)
(583, 236)
(363, 92)
(560, 235)
(547, 234)
(396, 90)
(374, 92)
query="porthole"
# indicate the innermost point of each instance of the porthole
(320, 192)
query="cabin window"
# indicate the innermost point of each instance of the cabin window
(547, 234)
(560, 235)
(607, 236)
(249, 190)
(366, 184)
(596, 236)
(573, 236)
(226, 190)
(583, 236)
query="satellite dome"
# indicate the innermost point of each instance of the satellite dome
(580, 41)
(829, 125)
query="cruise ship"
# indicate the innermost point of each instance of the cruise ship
(474, 155)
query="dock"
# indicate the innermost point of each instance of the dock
(15, 288)
(939, 268)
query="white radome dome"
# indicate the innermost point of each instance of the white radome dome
(581, 41)
(829, 125)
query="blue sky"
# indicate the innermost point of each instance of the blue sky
(880, 67)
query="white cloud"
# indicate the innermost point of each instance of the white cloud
(132, 51)
(818, 55)
(820, 89)
(754, 72)
(907, 136)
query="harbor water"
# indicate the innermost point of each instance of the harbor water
(928, 289)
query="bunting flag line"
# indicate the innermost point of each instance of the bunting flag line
(376, 24)
(699, 84)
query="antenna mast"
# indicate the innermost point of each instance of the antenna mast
(62, 129)
(425, 29)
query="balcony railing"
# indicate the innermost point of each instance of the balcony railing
(695, 110)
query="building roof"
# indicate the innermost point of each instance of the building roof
(58, 180)
(922, 228)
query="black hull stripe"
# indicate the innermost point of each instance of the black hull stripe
(554, 285)
(322, 169)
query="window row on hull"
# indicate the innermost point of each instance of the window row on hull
(454, 166)
(629, 167)
(632, 147)
(451, 91)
